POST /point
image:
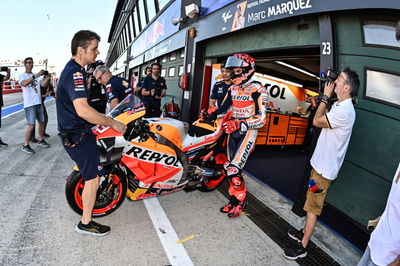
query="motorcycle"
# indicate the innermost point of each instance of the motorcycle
(155, 156)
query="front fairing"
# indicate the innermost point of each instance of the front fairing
(128, 110)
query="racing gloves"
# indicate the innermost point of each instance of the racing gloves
(233, 125)
(208, 114)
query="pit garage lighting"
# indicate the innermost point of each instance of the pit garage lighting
(280, 80)
(297, 69)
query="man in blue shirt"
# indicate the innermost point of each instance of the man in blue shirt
(220, 88)
(138, 89)
(116, 88)
(75, 118)
(153, 89)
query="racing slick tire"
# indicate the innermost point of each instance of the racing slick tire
(108, 201)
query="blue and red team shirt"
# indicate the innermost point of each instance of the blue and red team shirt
(148, 84)
(71, 85)
(219, 91)
(118, 88)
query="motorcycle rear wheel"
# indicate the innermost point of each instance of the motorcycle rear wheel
(104, 204)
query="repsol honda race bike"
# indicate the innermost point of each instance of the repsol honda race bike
(155, 156)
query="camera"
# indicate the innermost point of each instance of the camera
(329, 75)
(45, 72)
(4, 69)
(158, 89)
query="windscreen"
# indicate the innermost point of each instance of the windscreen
(131, 103)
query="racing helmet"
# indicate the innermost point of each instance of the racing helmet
(244, 61)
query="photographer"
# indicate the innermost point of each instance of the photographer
(116, 88)
(153, 89)
(328, 156)
(32, 103)
(3, 78)
(97, 98)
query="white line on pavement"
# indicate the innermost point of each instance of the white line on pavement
(176, 253)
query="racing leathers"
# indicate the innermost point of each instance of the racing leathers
(247, 102)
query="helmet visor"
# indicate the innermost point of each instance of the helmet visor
(233, 61)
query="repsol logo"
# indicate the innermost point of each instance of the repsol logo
(275, 91)
(153, 156)
(241, 97)
(245, 154)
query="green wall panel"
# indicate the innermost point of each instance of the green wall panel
(359, 193)
(364, 180)
(279, 34)
(172, 82)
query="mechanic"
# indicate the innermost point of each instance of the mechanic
(75, 118)
(220, 88)
(153, 89)
(138, 89)
(117, 88)
(97, 97)
(247, 100)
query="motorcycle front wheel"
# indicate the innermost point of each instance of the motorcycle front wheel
(108, 200)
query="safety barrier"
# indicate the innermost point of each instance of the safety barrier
(11, 87)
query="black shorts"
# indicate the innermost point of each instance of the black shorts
(85, 154)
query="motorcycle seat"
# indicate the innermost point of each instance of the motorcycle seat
(195, 131)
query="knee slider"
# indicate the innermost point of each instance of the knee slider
(232, 170)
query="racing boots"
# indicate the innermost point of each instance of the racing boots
(235, 207)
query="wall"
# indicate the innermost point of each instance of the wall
(267, 36)
(364, 181)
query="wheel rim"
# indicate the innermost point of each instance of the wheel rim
(117, 185)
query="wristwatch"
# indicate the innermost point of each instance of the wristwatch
(33, 76)
(325, 98)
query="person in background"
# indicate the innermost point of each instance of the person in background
(46, 91)
(138, 89)
(33, 107)
(3, 78)
(153, 89)
(337, 125)
(75, 118)
(220, 88)
(116, 88)
(97, 97)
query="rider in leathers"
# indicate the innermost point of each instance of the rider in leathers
(247, 100)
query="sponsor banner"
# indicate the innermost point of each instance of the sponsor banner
(173, 43)
(282, 96)
(248, 13)
(158, 31)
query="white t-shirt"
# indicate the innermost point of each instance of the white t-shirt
(385, 239)
(332, 143)
(30, 95)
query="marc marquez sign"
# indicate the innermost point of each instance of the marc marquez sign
(243, 14)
